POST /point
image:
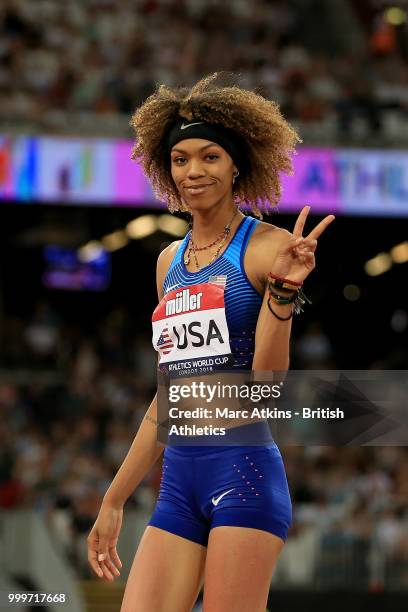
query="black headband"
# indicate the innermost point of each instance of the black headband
(227, 138)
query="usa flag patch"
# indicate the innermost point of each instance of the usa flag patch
(220, 280)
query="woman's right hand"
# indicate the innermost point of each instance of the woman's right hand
(102, 554)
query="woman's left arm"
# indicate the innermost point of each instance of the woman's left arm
(290, 256)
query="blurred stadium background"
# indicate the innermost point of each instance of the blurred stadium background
(80, 233)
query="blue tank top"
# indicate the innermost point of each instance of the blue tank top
(242, 301)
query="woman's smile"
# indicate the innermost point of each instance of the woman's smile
(197, 190)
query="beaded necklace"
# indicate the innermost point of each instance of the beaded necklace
(220, 240)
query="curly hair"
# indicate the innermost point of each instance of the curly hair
(270, 140)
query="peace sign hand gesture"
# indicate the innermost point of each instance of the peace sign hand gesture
(295, 257)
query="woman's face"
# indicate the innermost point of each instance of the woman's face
(197, 162)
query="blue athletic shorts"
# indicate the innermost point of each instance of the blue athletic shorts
(208, 486)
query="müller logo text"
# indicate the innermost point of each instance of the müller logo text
(183, 302)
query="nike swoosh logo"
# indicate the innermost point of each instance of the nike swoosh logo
(216, 500)
(183, 127)
(172, 287)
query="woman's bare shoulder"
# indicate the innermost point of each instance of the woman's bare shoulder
(168, 252)
(164, 260)
(267, 232)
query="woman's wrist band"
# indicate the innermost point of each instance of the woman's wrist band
(297, 297)
(276, 314)
(282, 299)
(283, 283)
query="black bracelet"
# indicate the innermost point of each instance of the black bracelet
(282, 299)
(278, 316)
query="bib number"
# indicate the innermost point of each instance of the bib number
(190, 330)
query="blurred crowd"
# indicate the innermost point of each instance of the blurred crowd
(104, 57)
(71, 404)
(350, 517)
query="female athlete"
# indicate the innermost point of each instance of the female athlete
(231, 287)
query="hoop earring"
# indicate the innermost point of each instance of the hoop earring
(235, 174)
